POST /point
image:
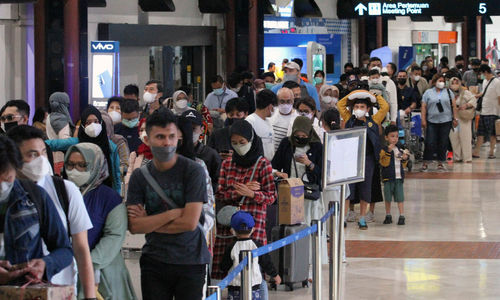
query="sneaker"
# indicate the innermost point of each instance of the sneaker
(424, 168)
(441, 168)
(370, 217)
(362, 224)
(388, 219)
(351, 216)
(401, 220)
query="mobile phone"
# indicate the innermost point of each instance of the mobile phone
(440, 107)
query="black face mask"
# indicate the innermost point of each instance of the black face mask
(10, 125)
(475, 70)
(460, 66)
(402, 81)
(301, 141)
(229, 121)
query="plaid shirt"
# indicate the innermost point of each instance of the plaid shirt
(257, 207)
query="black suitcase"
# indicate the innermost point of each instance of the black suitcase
(292, 260)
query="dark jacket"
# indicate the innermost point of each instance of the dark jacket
(372, 135)
(30, 220)
(246, 92)
(213, 161)
(220, 140)
(130, 134)
(282, 161)
(387, 161)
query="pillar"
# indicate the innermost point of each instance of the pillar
(230, 38)
(380, 34)
(41, 98)
(72, 55)
(253, 36)
(479, 37)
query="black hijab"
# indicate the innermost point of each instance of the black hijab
(101, 140)
(245, 129)
(186, 147)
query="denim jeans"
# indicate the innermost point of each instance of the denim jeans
(166, 281)
(436, 141)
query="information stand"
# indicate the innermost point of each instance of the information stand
(343, 163)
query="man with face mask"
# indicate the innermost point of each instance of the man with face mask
(28, 220)
(174, 258)
(217, 99)
(284, 117)
(208, 155)
(266, 101)
(236, 109)
(407, 98)
(292, 73)
(67, 200)
(470, 77)
(153, 91)
(244, 91)
(417, 82)
(128, 126)
(13, 113)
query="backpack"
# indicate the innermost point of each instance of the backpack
(36, 197)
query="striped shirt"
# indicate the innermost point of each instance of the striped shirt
(280, 125)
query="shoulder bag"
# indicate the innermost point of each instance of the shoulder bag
(226, 212)
(480, 100)
(311, 190)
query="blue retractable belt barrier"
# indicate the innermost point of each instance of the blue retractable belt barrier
(269, 248)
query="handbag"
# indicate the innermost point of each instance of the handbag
(225, 214)
(467, 114)
(311, 190)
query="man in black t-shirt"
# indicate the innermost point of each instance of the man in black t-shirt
(174, 258)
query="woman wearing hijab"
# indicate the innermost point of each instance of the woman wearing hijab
(119, 140)
(180, 103)
(301, 156)
(306, 107)
(86, 166)
(92, 131)
(234, 183)
(329, 96)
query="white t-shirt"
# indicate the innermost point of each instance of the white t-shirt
(264, 130)
(280, 125)
(490, 99)
(397, 162)
(79, 221)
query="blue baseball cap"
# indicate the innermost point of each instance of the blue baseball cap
(241, 220)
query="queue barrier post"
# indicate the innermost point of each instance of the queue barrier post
(340, 230)
(215, 289)
(333, 263)
(317, 237)
(246, 275)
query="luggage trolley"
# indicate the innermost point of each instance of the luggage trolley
(410, 137)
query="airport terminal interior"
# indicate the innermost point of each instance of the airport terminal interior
(249, 149)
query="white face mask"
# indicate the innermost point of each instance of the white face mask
(181, 104)
(93, 130)
(5, 188)
(416, 77)
(290, 77)
(375, 81)
(329, 99)
(364, 78)
(440, 85)
(376, 68)
(77, 177)
(115, 116)
(242, 150)
(148, 97)
(309, 115)
(285, 109)
(142, 136)
(359, 113)
(196, 137)
(37, 168)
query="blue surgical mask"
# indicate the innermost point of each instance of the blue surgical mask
(269, 85)
(318, 80)
(130, 123)
(219, 92)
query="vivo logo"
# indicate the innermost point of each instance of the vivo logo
(100, 46)
(104, 46)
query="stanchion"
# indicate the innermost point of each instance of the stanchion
(246, 276)
(333, 223)
(340, 247)
(215, 289)
(317, 260)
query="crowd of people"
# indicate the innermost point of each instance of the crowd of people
(177, 169)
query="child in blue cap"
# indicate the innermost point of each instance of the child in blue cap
(242, 224)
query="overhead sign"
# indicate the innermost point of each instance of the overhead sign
(104, 47)
(457, 8)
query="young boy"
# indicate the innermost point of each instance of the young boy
(393, 161)
(376, 85)
(242, 224)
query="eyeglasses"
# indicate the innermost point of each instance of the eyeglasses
(81, 166)
(9, 118)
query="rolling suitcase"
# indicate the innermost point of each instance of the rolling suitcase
(292, 260)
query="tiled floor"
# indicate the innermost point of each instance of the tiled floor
(448, 249)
